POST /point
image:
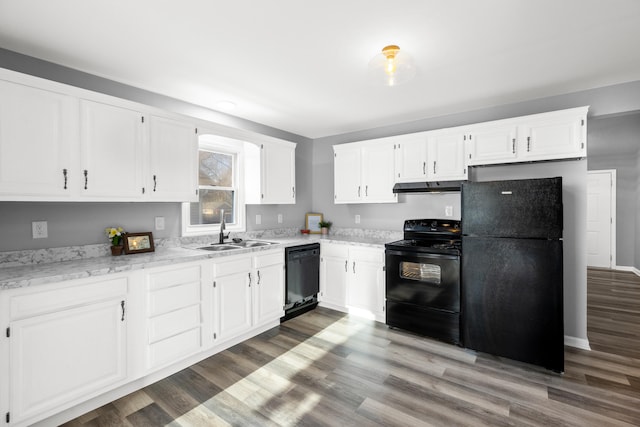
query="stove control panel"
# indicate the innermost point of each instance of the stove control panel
(432, 225)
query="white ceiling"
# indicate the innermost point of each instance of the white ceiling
(301, 66)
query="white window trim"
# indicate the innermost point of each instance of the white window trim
(227, 146)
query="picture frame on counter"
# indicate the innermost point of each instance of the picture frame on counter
(135, 243)
(312, 222)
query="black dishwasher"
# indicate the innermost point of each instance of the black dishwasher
(302, 270)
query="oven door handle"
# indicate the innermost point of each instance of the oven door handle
(426, 255)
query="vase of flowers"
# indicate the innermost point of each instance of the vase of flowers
(114, 234)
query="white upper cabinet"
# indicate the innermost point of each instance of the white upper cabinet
(37, 143)
(173, 148)
(63, 143)
(364, 172)
(347, 173)
(411, 158)
(547, 136)
(492, 144)
(278, 173)
(446, 156)
(112, 152)
(377, 172)
(556, 135)
(270, 173)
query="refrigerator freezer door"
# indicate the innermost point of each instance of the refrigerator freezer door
(530, 208)
(512, 299)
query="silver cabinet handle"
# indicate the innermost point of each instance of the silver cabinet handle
(434, 167)
(122, 307)
(86, 178)
(249, 279)
(513, 146)
(293, 192)
(64, 174)
(258, 278)
(366, 191)
(358, 191)
(424, 168)
(354, 267)
(346, 263)
(155, 183)
(528, 143)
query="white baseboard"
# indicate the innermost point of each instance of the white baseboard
(627, 268)
(581, 343)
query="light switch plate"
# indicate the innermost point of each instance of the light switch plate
(39, 230)
(280, 218)
(258, 219)
(357, 219)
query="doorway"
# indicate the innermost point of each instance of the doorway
(601, 218)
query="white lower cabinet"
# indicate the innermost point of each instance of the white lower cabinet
(70, 342)
(248, 293)
(232, 297)
(65, 344)
(176, 314)
(352, 279)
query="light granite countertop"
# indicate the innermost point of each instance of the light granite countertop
(35, 270)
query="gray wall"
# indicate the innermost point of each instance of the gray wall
(614, 143)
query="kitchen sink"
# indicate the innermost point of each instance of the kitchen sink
(220, 248)
(251, 243)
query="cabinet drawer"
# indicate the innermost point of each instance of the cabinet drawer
(47, 301)
(172, 277)
(340, 251)
(169, 299)
(367, 254)
(172, 323)
(232, 267)
(269, 259)
(174, 348)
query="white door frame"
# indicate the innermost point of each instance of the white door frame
(612, 203)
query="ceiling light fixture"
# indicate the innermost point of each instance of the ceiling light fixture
(391, 67)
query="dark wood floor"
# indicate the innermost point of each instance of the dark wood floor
(326, 368)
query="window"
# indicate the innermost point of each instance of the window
(219, 180)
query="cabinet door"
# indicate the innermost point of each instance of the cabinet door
(365, 283)
(36, 142)
(278, 173)
(446, 157)
(346, 175)
(234, 304)
(333, 281)
(377, 173)
(65, 355)
(411, 159)
(269, 293)
(492, 145)
(173, 153)
(555, 136)
(111, 146)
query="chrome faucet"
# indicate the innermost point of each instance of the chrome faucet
(222, 227)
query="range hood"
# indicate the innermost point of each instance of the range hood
(427, 187)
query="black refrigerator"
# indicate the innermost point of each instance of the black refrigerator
(512, 288)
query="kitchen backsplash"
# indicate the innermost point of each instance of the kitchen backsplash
(72, 253)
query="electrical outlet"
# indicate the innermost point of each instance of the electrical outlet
(159, 223)
(357, 219)
(258, 219)
(448, 211)
(39, 230)
(280, 218)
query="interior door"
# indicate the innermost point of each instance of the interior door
(600, 218)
